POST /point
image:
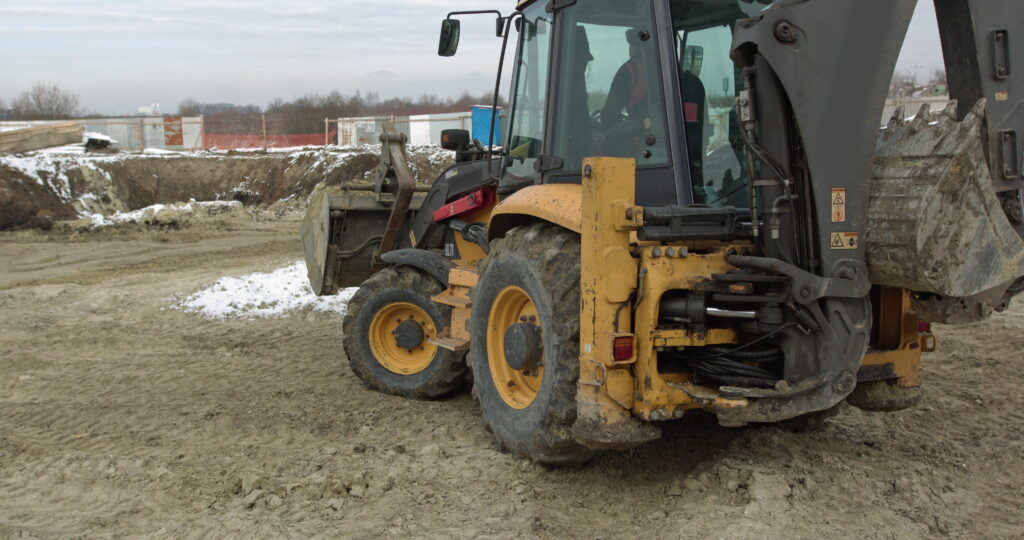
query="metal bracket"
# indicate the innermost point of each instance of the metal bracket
(1008, 150)
(1001, 56)
(806, 288)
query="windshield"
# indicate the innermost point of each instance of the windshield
(529, 103)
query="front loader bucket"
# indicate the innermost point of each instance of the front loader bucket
(341, 235)
(935, 222)
(347, 229)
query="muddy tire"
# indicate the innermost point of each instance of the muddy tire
(531, 277)
(390, 313)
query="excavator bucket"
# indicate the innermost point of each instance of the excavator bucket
(936, 224)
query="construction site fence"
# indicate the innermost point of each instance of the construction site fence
(166, 132)
(273, 131)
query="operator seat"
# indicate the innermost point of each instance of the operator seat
(695, 114)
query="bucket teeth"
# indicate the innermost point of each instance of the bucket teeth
(948, 114)
(924, 117)
(951, 109)
(935, 223)
(898, 117)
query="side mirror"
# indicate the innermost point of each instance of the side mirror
(449, 43)
(693, 59)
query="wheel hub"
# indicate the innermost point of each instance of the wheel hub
(514, 339)
(408, 334)
(398, 337)
(523, 348)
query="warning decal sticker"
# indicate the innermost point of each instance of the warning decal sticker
(845, 240)
(838, 205)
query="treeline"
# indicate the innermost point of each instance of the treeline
(44, 101)
(306, 114)
(913, 83)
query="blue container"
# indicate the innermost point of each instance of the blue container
(482, 122)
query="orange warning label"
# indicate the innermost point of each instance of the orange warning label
(845, 240)
(838, 205)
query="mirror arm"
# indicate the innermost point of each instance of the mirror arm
(497, 82)
(479, 12)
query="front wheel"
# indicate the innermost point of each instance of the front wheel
(387, 328)
(525, 343)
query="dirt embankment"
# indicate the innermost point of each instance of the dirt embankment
(37, 189)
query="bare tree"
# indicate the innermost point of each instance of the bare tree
(937, 80)
(189, 107)
(46, 101)
(904, 84)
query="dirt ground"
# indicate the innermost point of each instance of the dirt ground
(120, 417)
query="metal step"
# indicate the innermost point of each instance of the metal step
(453, 301)
(445, 341)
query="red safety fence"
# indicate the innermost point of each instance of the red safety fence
(228, 140)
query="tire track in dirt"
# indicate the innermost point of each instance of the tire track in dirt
(207, 429)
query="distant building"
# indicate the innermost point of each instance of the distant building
(150, 110)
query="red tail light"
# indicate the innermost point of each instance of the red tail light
(924, 327)
(622, 348)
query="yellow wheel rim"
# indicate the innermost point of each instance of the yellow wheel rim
(385, 347)
(517, 388)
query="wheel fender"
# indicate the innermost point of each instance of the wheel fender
(432, 263)
(560, 204)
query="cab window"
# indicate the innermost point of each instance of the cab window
(609, 93)
(529, 103)
(710, 83)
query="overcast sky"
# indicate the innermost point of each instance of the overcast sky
(119, 54)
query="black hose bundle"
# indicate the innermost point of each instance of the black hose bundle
(731, 366)
(723, 366)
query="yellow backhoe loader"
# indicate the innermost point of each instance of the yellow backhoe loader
(692, 207)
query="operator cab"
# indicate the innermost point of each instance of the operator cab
(650, 80)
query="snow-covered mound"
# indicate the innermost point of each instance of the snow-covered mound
(273, 294)
(39, 188)
(151, 212)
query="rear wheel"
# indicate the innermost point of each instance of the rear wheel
(525, 348)
(387, 327)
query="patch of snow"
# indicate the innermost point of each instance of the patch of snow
(97, 137)
(258, 295)
(100, 220)
(160, 152)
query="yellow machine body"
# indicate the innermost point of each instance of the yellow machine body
(617, 271)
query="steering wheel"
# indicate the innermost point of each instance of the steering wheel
(595, 119)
